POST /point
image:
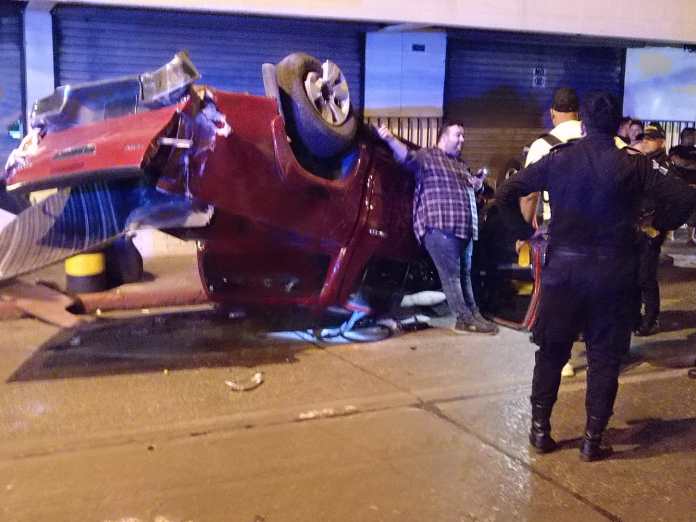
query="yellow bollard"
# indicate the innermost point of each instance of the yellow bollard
(524, 256)
(524, 259)
(86, 273)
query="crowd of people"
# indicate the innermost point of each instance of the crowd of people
(614, 192)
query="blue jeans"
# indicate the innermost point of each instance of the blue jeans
(452, 258)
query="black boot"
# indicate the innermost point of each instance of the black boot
(591, 448)
(540, 432)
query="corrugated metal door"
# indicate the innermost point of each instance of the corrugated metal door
(11, 74)
(94, 43)
(502, 90)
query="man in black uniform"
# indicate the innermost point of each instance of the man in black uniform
(683, 158)
(589, 280)
(650, 240)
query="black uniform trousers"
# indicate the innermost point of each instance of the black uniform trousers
(649, 259)
(591, 291)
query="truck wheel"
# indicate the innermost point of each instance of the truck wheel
(316, 103)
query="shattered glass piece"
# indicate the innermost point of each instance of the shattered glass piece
(203, 129)
(19, 157)
(175, 213)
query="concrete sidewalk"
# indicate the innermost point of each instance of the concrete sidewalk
(135, 421)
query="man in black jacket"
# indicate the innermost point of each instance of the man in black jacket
(683, 159)
(589, 280)
(650, 240)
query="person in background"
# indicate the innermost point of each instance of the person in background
(623, 131)
(652, 142)
(635, 132)
(567, 127)
(683, 160)
(445, 218)
(687, 144)
(588, 282)
(650, 240)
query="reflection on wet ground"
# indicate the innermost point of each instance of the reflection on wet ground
(178, 340)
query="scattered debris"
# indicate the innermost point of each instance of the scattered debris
(41, 302)
(252, 383)
(326, 412)
(158, 518)
(75, 341)
(425, 298)
(414, 348)
(151, 447)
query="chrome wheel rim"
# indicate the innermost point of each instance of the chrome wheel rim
(328, 93)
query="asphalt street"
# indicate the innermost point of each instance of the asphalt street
(138, 418)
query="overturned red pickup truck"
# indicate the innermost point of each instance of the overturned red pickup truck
(291, 200)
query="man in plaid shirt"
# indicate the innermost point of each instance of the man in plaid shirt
(445, 219)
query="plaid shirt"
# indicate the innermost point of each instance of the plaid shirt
(444, 197)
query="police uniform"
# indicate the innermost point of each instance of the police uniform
(650, 242)
(588, 281)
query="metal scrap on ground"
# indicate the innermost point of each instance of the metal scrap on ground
(253, 382)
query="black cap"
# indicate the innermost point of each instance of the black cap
(653, 131)
(565, 99)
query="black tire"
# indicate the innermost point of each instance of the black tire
(124, 264)
(303, 120)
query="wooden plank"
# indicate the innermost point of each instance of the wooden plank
(42, 302)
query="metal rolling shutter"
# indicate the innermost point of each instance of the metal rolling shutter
(489, 87)
(94, 43)
(11, 75)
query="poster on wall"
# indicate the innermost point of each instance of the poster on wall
(660, 84)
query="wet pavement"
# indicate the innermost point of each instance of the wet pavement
(131, 420)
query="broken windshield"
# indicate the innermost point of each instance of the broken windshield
(73, 105)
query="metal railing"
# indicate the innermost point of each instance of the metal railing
(419, 130)
(672, 130)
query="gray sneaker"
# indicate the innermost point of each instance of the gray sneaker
(473, 325)
(481, 319)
